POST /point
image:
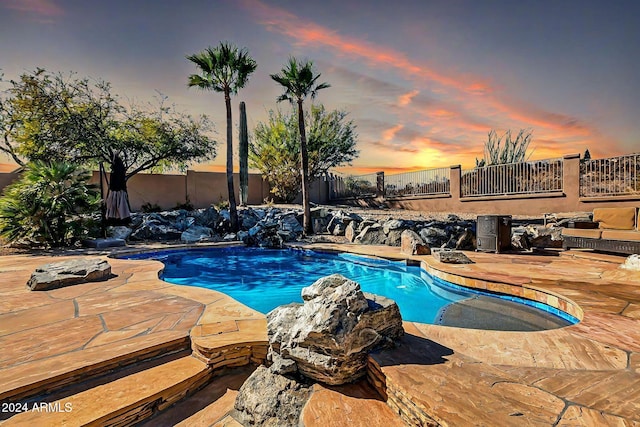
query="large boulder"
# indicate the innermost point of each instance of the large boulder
(350, 233)
(544, 237)
(66, 273)
(466, 241)
(119, 232)
(155, 228)
(265, 234)
(248, 218)
(196, 233)
(289, 226)
(328, 337)
(270, 399)
(412, 244)
(433, 235)
(342, 218)
(371, 235)
(208, 217)
(520, 239)
(393, 229)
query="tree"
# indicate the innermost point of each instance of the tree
(54, 117)
(226, 69)
(299, 81)
(275, 148)
(46, 204)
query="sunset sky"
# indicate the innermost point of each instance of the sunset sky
(424, 81)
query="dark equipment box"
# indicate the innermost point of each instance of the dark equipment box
(493, 233)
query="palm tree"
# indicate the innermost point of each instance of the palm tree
(224, 68)
(299, 81)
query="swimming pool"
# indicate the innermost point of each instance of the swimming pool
(266, 278)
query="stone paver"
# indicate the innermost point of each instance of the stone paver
(586, 374)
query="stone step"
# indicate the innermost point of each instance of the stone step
(210, 405)
(125, 401)
(46, 376)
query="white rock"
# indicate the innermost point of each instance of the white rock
(632, 263)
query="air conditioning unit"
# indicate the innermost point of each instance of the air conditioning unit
(493, 233)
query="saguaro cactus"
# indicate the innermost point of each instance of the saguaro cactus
(244, 156)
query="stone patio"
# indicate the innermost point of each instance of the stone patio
(67, 346)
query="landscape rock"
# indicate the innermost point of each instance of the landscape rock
(330, 335)
(632, 263)
(520, 239)
(343, 218)
(248, 218)
(466, 241)
(196, 233)
(339, 229)
(208, 217)
(371, 235)
(270, 399)
(364, 224)
(153, 228)
(412, 244)
(433, 235)
(350, 232)
(66, 273)
(265, 234)
(230, 237)
(451, 257)
(544, 237)
(393, 224)
(289, 224)
(119, 232)
(394, 238)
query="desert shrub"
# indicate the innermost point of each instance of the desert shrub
(50, 205)
(150, 207)
(499, 150)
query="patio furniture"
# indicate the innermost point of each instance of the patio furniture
(612, 230)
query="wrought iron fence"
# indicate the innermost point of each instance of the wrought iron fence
(613, 176)
(424, 182)
(353, 186)
(540, 176)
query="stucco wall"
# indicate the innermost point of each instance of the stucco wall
(201, 188)
(567, 200)
(7, 178)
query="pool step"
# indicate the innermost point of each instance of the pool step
(125, 401)
(47, 376)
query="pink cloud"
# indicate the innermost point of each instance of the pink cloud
(390, 133)
(41, 8)
(475, 106)
(405, 98)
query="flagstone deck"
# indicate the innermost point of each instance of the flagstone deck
(586, 374)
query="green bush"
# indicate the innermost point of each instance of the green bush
(50, 205)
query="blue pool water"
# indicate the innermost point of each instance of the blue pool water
(265, 278)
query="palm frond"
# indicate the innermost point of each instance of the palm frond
(224, 67)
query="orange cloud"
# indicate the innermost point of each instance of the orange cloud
(405, 99)
(389, 134)
(308, 33)
(46, 8)
(477, 106)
